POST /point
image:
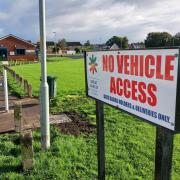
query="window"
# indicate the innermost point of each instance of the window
(20, 51)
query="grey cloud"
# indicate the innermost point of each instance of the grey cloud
(91, 19)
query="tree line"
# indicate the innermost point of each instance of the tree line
(153, 39)
(162, 39)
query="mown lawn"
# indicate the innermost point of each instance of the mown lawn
(130, 142)
(69, 73)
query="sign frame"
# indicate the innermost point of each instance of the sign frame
(177, 101)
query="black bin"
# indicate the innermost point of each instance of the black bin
(51, 80)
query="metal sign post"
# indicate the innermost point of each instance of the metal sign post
(6, 90)
(44, 95)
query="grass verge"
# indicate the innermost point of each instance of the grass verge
(130, 142)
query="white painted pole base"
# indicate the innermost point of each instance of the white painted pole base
(6, 91)
(44, 116)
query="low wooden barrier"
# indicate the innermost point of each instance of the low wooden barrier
(22, 82)
(19, 63)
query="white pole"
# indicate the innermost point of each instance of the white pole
(44, 94)
(6, 90)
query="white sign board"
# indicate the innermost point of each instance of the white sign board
(30, 51)
(12, 53)
(141, 82)
(5, 62)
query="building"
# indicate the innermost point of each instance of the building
(67, 52)
(15, 48)
(50, 47)
(71, 46)
(114, 47)
(139, 45)
(100, 47)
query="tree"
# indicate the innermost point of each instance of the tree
(158, 39)
(87, 43)
(176, 39)
(77, 50)
(122, 42)
(125, 42)
(62, 44)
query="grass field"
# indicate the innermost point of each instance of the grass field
(70, 77)
(130, 142)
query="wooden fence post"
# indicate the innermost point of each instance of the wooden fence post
(17, 78)
(14, 74)
(164, 151)
(26, 86)
(27, 151)
(10, 71)
(100, 139)
(18, 116)
(29, 90)
(21, 81)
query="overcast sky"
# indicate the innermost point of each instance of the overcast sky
(94, 20)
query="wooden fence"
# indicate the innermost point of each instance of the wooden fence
(22, 82)
(18, 63)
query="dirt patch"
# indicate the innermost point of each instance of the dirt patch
(77, 126)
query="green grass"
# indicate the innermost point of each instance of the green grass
(15, 88)
(69, 73)
(130, 142)
(62, 161)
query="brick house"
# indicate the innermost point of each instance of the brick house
(71, 48)
(15, 48)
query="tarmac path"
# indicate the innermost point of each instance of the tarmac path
(30, 112)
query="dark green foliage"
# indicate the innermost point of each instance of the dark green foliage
(77, 50)
(62, 44)
(122, 42)
(158, 39)
(87, 43)
(176, 39)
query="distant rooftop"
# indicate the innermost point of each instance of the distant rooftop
(73, 44)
